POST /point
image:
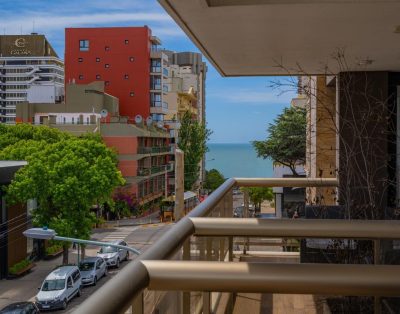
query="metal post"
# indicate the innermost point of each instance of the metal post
(138, 304)
(246, 215)
(209, 248)
(78, 246)
(185, 306)
(222, 249)
(230, 248)
(206, 303)
(377, 261)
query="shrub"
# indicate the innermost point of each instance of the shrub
(55, 248)
(16, 268)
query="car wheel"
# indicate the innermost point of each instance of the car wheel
(64, 304)
(79, 292)
(117, 265)
(95, 281)
(127, 256)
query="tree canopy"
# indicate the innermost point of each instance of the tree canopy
(213, 179)
(259, 194)
(193, 137)
(66, 174)
(286, 142)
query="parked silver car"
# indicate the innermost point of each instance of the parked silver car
(112, 255)
(92, 269)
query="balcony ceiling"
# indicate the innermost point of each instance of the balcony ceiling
(274, 37)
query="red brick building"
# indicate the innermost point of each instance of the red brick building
(119, 56)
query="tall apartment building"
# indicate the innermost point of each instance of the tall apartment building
(30, 70)
(127, 59)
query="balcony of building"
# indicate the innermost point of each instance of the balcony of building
(154, 150)
(154, 170)
(211, 262)
(158, 107)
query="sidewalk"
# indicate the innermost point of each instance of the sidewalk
(149, 219)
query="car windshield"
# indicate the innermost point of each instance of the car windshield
(14, 309)
(108, 249)
(86, 266)
(51, 285)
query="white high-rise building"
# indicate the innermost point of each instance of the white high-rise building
(30, 70)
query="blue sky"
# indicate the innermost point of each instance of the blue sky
(238, 109)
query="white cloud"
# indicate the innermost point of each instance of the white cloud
(57, 16)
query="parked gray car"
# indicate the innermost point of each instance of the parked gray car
(92, 269)
(112, 255)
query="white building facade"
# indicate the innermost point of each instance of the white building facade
(30, 70)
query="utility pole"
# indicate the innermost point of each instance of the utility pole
(179, 184)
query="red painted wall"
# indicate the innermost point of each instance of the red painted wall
(124, 146)
(118, 58)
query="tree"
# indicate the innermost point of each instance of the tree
(259, 194)
(286, 143)
(193, 137)
(66, 174)
(213, 179)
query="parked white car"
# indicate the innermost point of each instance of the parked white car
(59, 287)
(112, 255)
(92, 269)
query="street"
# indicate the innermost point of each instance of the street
(26, 287)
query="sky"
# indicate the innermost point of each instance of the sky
(238, 110)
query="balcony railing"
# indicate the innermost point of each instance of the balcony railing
(154, 150)
(197, 255)
(147, 171)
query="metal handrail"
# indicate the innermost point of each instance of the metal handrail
(338, 279)
(131, 280)
(297, 228)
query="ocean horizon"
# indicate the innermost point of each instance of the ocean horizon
(237, 160)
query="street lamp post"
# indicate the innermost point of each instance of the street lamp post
(50, 234)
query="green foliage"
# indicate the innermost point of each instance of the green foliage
(259, 194)
(16, 268)
(66, 174)
(213, 179)
(286, 143)
(55, 248)
(193, 137)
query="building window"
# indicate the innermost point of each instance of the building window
(64, 120)
(107, 48)
(131, 59)
(132, 94)
(84, 45)
(126, 41)
(73, 120)
(80, 59)
(87, 120)
(107, 83)
(97, 59)
(81, 77)
(107, 65)
(126, 76)
(97, 77)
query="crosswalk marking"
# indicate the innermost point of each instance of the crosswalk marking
(121, 234)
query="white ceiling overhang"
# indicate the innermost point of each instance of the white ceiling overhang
(278, 37)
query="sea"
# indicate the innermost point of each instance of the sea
(237, 160)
